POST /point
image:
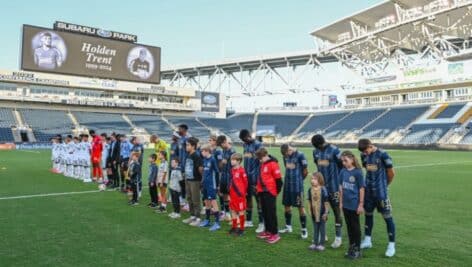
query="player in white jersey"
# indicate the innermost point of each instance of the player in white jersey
(86, 150)
(62, 156)
(76, 157)
(68, 155)
(55, 155)
(106, 148)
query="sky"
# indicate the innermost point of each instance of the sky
(191, 31)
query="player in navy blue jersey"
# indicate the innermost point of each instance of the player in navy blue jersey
(182, 131)
(296, 170)
(327, 158)
(379, 175)
(47, 56)
(210, 181)
(225, 171)
(251, 166)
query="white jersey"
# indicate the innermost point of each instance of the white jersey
(54, 151)
(85, 148)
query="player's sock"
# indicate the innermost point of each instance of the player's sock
(226, 206)
(338, 228)
(241, 222)
(390, 229)
(303, 221)
(288, 218)
(235, 223)
(100, 172)
(259, 214)
(217, 216)
(249, 215)
(369, 224)
(207, 214)
(222, 201)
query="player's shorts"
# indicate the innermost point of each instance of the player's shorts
(383, 206)
(96, 159)
(293, 199)
(224, 185)
(251, 191)
(238, 204)
(209, 193)
(124, 164)
(333, 198)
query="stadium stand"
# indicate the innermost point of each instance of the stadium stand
(231, 125)
(196, 129)
(47, 123)
(426, 133)
(450, 111)
(6, 121)
(467, 139)
(103, 122)
(152, 124)
(283, 124)
(394, 119)
(318, 123)
(353, 122)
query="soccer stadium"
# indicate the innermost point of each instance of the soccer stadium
(116, 150)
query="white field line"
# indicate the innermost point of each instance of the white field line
(144, 186)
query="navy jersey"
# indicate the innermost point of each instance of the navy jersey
(294, 166)
(210, 173)
(218, 155)
(226, 164)
(376, 165)
(351, 182)
(328, 162)
(174, 150)
(182, 150)
(139, 148)
(251, 163)
(47, 58)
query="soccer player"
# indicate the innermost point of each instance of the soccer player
(226, 169)
(251, 166)
(152, 180)
(210, 188)
(125, 152)
(319, 207)
(69, 150)
(351, 200)
(75, 157)
(114, 159)
(182, 154)
(86, 150)
(105, 153)
(269, 184)
(140, 66)
(134, 172)
(162, 179)
(327, 158)
(159, 145)
(97, 148)
(193, 171)
(47, 56)
(237, 192)
(55, 155)
(296, 170)
(379, 175)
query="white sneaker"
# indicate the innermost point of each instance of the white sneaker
(304, 233)
(260, 228)
(248, 224)
(195, 222)
(176, 216)
(366, 243)
(390, 250)
(171, 215)
(287, 229)
(189, 219)
(337, 242)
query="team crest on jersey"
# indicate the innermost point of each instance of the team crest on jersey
(265, 169)
(352, 179)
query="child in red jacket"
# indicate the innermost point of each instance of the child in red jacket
(269, 184)
(237, 194)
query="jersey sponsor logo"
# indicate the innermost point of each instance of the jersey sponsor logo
(323, 162)
(248, 155)
(372, 167)
(290, 166)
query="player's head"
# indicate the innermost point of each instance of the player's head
(262, 154)
(223, 142)
(286, 150)
(76, 139)
(121, 137)
(134, 140)
(212, 140)
(92, 133)
(365, 146)
(245, 136)
(108, 140)
(154, 138)
(318, 141)
(152, 158)
(192, 144)
(46, 39)
(68, 138)
(182, 129)
(85, 137)
(349, 160)
(142, 54)
(236, 159)
(135, 156)
(174, 163)
(103, 136)
(317, 179)
(162, 155)
(206, 150)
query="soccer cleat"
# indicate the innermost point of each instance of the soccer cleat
(202, 212)
(272, 239)
(196, 222)
(205, 223)
(215, 227)
(232, 231)
(286, 229)
(320, 248)
(171, 215)
(260, 228)
(263, 235)
(189, 220)
(248, 224)
(239, 232)
(366, 243)
(390, 250)
(355, 253)
(133, 203)
(337, 242)
(304, 233)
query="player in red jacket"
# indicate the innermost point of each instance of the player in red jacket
(237, 193)
(269, 184)
(97, 148)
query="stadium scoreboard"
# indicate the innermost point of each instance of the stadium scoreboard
(86, 51)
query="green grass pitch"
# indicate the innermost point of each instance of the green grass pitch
(431, 197)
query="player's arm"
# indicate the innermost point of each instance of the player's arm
(360, 208)
(277, 176)
(388, 162)
(340, 197)
(304, 164)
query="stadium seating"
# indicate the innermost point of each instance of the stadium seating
(394, 119)
(467, 139)
(152, 124)
(47, 123)
(318, 123)
(450, 111)
(6, 121)
(231, 125)
(426, 133)
(195, 128)
(353, 122)
(283, 124)
(103, 122)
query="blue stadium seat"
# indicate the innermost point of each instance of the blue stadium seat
(6, 122)
(318, 123)
(47, 123)
(194, 127)
(353, 122)
(103, 122)
(450, 111)
(426, 133)
(283, 124)
(231, 125)
(152, 124)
